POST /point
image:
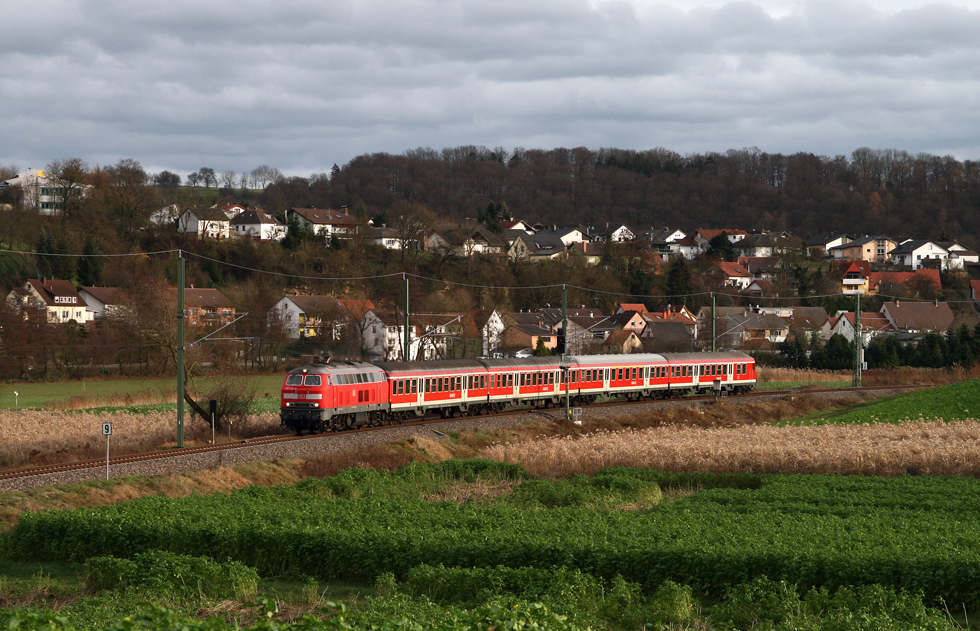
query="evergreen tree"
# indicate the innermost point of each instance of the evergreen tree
(45, 245)
(63, 266)
(678, 278)
(89, 268)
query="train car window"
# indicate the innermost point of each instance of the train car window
(414, 384)
(311, 380)
(427, 386)
(294, 380)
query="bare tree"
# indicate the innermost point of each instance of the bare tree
(411, 222)
(68, 178)
(264, 175)
(130, 195)
(228, 179)
(208, 177)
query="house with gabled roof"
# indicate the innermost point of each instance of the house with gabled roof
(762, 267)
(517, 224)
(590, 252)
(103, 301)
(519, 336)
(911, 281)
(703, 236)
(491, 325)
(534, 247)
(205, 306)
(959, 256)
(730, 274)
(868, 248)
(687, 247)
(873, 324)
(630, 320)
(257, 224)
(57, 299)
(918, 253)
(851, 275)
(911, 317)
(464, 241)
(568, 235)
(205, 223)
(312, 316)
(819, 245)
(383, 335)
(623, 341)
(325, 221)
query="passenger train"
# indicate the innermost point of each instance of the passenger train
(335, 395)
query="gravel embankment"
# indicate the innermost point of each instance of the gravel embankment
(339, 442)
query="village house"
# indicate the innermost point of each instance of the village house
(464, 241)
(317, 316)
(916, 318)
(623, 341)
(325, 222)
(207, 308)
(911, 282)
(383, 336)
(873, 324)
(851, 275)
(918, 253)
(103, 302)
(874, 248)
(729, 274)
(205, 223)
(820, 245)
(257, 225)
(56, 299)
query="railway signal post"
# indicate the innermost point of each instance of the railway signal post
(107, 432)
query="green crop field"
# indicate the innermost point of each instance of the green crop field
(952, 402)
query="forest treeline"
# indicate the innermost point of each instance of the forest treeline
(871, 191)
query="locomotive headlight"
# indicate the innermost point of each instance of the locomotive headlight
(288, 404)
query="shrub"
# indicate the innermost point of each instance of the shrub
(174, 573)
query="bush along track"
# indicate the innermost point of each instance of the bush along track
(714, 532)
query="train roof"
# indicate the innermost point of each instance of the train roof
(430, 366)
(331, 367)
(521, 362)
(633, 358)
(707, 357)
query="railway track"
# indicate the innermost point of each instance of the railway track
(117, 463)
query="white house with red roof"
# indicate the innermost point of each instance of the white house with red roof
(732, 274)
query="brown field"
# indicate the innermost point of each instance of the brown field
(36, 437)
(916, 448)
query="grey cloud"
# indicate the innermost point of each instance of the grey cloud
(302, 85)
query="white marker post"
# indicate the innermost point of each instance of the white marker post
(107, 432)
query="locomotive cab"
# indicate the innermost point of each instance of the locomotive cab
(329, 395)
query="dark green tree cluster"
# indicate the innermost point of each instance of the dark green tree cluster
(935, 350)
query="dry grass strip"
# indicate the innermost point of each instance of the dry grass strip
(914, 448)
(45, 437)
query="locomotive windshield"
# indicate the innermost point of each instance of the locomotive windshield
(312, 380)
(294, 380)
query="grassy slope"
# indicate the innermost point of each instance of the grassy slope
(952, 402)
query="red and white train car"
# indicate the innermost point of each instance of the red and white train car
(338, 395)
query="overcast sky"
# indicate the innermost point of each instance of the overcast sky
(304, 84)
